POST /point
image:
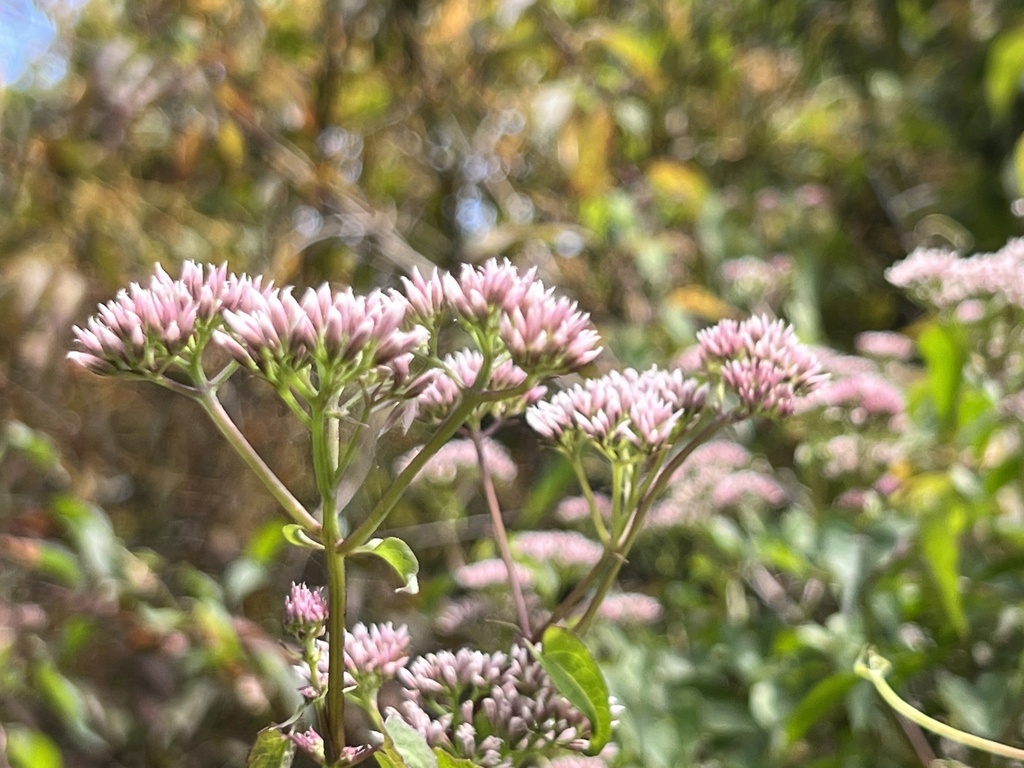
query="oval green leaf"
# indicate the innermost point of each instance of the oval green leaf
(272, 750)
(399, 556)
(577, 676)
(405, 747)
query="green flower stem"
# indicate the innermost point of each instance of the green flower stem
(500, 533)
(651, 493)
(470, 400)
(291, 506)
(588, 494)
(578, 592)
(324, 428)
(873, 668)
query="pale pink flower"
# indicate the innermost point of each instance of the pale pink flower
(305, 611)
(735, 488)
(548, 334)
(566, 549)
(141, 330)
(621, 412)
(373, 654)
(479, 292)
(489, 573)
(886, 345)
(857, 398)
(378, 650)
(574, 508)
(630, 608)
(310, 742)
(489, 708)
(460, 372)
(459, 456)
(761, 361)
(425, 295)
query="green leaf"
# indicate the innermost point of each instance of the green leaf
(396, 553)
(577, 676)
(296, 535)
(272, 750)
(1003, 72)
(405, 747)
(31, 749)
(943, 350)
(940, 545)
(818, 703)
(444, 760)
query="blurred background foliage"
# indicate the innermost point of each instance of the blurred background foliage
(666, 163)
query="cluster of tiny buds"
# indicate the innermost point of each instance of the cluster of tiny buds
(343, 334)
(544, 333)
(490, 707)
(373, 654)
(762, 362)
(622, 413)
(305, 611)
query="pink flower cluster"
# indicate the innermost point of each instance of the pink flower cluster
(342, 333)
(622, 413)
(718, 475)
(762, 362)
(459, 372)
(544, 333)
(490, 708)
(945, 281)
(459, 456)
(145, 328)
(305, 611)
(566, 549)
(373, 654)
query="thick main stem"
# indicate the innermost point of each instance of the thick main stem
(325, 461)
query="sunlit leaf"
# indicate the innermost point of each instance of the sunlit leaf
(399, 555)
(444, 760)
(940, 545)
(31, 749)
(405, 747)
(1003, 71)
(272, 750)
(943, 349)
(576, 675)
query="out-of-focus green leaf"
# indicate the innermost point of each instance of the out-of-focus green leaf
(266, 543)
(940, 545)
(970, 711)
(46, 557)
(399, 555)
(31, 749)
(94, 537)
(942, 348)
(36, 446)
(272, 750)
(576, 675)
(1003, 71)
(66, 701)
(818, 703)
